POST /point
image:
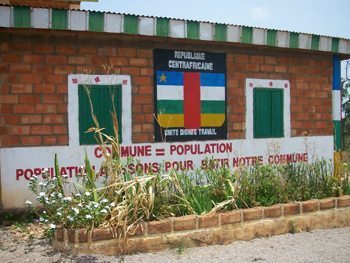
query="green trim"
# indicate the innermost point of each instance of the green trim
(335, 45)
(271, 37)
(131, 24)
(315, 42)
(162, 27)
(293, 40)
(96, 21)
(192, 29)
(59, 19)
(247, 35)
(220, 32)
(21, 16)
(337, 128)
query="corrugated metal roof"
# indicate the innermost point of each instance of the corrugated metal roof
(111, 22)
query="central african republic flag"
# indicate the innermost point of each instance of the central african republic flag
(190, 99)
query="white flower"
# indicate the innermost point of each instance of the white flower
(33, 177)
(41, 184)
(104, 201)
(28, 202)
(78, 195)
(46, 220)
(44, 212)
(104, 211)
(70, 218)
(41, 219)
(76, 210)
(112, 204)
(59, 213)
(88, 216)
(41, 194)
(87, 193)
(80, 205)
(68, 199)
(60, 195)
(46, 170)
(52, 226)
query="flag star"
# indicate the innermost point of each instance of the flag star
(162, 78)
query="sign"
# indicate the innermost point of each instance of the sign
(152, 158)
(190, 95)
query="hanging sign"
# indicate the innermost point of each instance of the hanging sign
(190, 95)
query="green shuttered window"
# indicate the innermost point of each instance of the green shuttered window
(294, 40)
(96, 21)
(268, 113)
(271, 37)
(315, 42)
(101, 96)
(21, 16)
(59, 19)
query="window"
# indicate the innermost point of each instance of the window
(101, 97)
(102, 87)
(267, 108)
(268, 113)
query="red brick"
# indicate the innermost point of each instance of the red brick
(136, 128)
(87, 50)
(54, 79)
(291, 209)
(142, 99)
(23, 108)
(34, 59)
(184, 223)
(53, 119)
(62, 140)
(140, 62)
(43, 48)
(118, 61)
(29, 99)
(20, 68)
(9, 140)
(252, 214)
(6, 108)
(139, 138)
(107, 51)
(31, 140)
(280, 69)
(41, 129)
(231, 217)
(267, 68)
(31, 78)
(252, 67)
(77, 60)
(343, 201)
(144, 53)
(59, 234)
(63, 69)
(146, 72)
(12, 119)
(134, 71)
(60, 129)
(102, 234)
(56, 59)
(147, 127)
(67, 50)
(270, 60)
(44, 88)
(11, 58)
(138, 230)
(242, 58)
(19, 130)
(127, 52)
(327, 203)
(21, 88)
(62, 108)
(71, 235)
(10, 99)
(45, 108)
(207, 221)
(49, 140)
(273, 211)
(257, 59)
(310, 206)
(52, 99)
(83, 236)
(146, 90)
(159, 227)
(147, 108)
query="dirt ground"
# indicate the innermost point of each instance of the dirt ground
(25, 243)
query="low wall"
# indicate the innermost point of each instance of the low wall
(221, 228)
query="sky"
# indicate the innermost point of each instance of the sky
(323, 17)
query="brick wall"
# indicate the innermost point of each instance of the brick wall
(34, 65)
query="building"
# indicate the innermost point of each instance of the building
(184, 90)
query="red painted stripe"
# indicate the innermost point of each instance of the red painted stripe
(192, 100)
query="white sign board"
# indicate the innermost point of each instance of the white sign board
(19, 164)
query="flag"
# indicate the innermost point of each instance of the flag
(190, 99)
